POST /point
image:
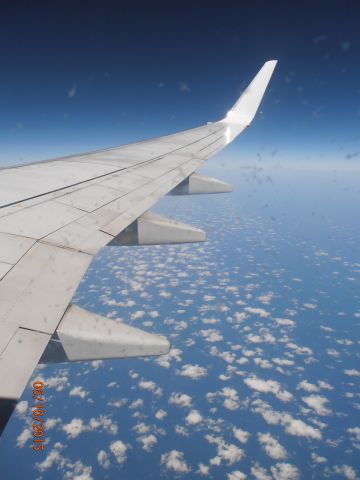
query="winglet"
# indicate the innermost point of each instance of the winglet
(244, 110)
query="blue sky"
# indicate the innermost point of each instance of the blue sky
(75, 78)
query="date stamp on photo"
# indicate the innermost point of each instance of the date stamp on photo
(38, 416)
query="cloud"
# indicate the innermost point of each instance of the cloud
(259, 472)
(180, 399)
(348, 472)
(165, 360)
(227, 452)
(258, 311)
(211, 335)
(118, 449)
(355, 432)
(283, 362)
(299, 350)
(307, 386)
(203, 470)
(77, 426)
(103, 459)
(272, 447)
(21, 407)
(317, 403)
(148, 441)
(74, 428)
(160, 414)
(78, 392)
(174, 460)
(241, 435)
(285, 322)
(231, 401)
(285, 471)
(195, 372)
(193, 418)
(151, 387)
(268, 386)
(352, 372)
(292, 426)
(236, 475)
(24, 436)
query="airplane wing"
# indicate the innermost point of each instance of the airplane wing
(56, 215)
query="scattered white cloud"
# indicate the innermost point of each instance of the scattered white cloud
(292, 426)
(285, 471)
(78, 392)
(227, 452)
(180, 399)
(272, 447)
(118, 449)
(148, 441)
(174, 460)
(241, 435)
(317, 403)
(268, 386)
(193, 418)
(103, 459)
(347, 471)
(352, 372)
(24, 436)
(160, 414)
(236, 475)
(151, 387)
(195, 372)
(258, 311)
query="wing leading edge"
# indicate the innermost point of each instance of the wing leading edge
(56, 215)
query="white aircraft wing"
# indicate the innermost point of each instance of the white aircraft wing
(56, 215)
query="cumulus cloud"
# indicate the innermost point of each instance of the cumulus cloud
(118, 449)
(227, 452)
(77, 426)
(231, 399)
(24, 436)
(317, 403)
(241, 435)
(268, 386)
(347, 471)
(203, 470)
(195, 372)
(236, 475)
(211, 335)
(259, 472)
(148, 441)
(21, 407)
(74, 428)
(307, 386)
(352, 372)
(180, 399)
(160, 414)
(78, 392)
(258, 311)
(193, 418)
(151, 387)
(272, 447)
(292, 426)
(285, 471)
(103, 459)
(174, 460)
(165, 360)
